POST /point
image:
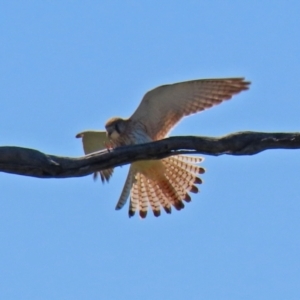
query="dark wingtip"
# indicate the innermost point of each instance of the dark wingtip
(103, 178)
(95, 176)
(79, 135)
(246, 84)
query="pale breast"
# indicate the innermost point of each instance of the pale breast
(134, 134)
(139, 136)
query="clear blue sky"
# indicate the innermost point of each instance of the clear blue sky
(67, 66)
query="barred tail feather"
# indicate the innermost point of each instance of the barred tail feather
(134, 199)
(126, 189)
(143, 196)
(163, 200)
(153, 199)
(189, 158)
(170, 193)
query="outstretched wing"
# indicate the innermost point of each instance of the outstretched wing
(94, 141)
(162, 107)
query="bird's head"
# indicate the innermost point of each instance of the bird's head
(115, 127)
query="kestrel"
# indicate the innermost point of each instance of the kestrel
(166, 182)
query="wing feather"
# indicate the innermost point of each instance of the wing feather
(94, 141)
(164, 106)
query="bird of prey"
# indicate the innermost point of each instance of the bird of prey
(166, 182)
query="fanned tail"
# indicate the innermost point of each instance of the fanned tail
(164, 183)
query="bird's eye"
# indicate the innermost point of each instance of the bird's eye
(117, 128)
